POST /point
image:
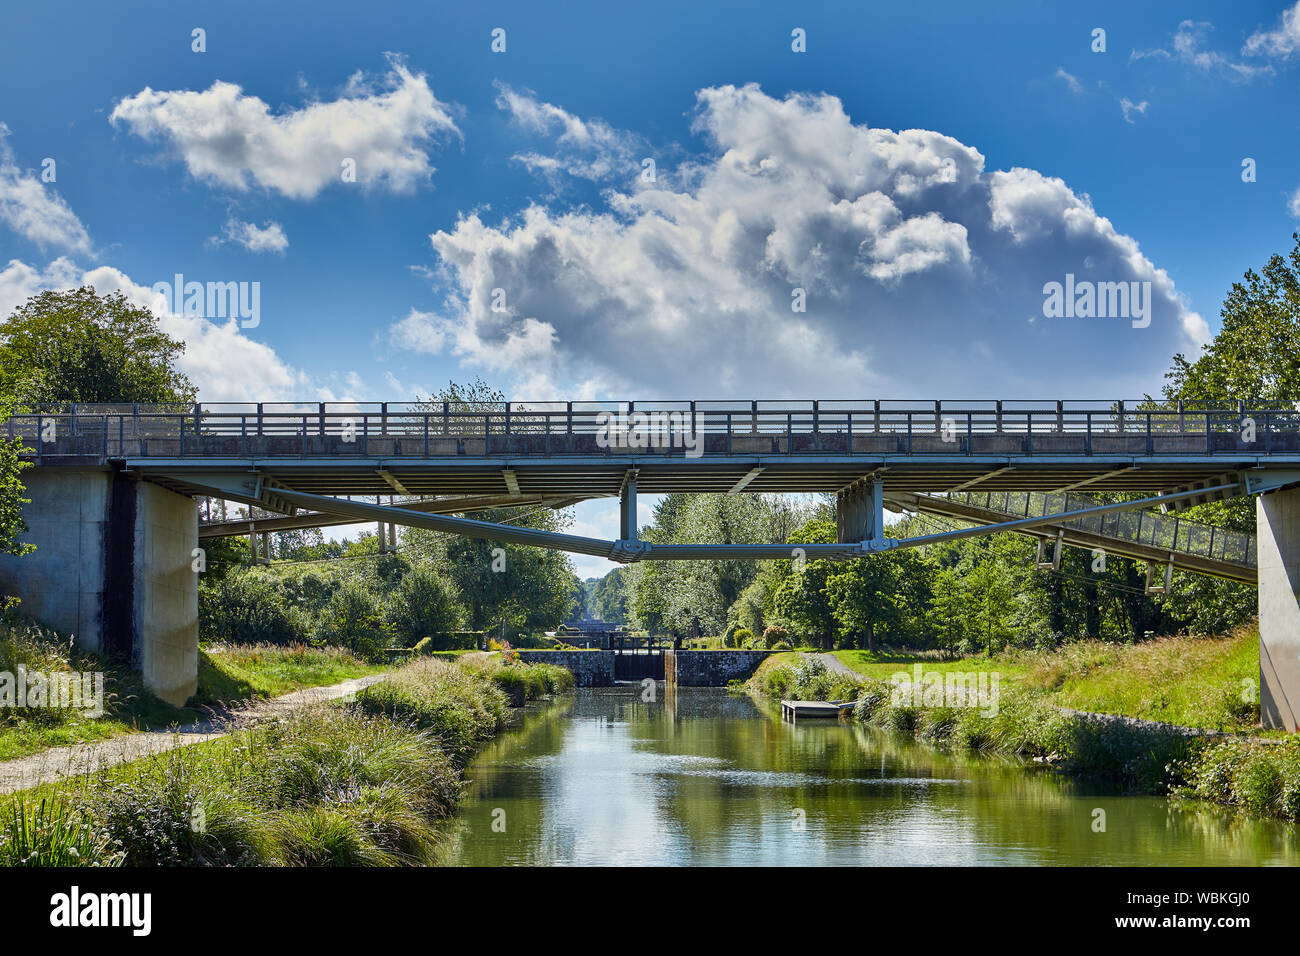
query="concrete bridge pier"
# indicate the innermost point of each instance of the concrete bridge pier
(1277, 522)
(114, 567)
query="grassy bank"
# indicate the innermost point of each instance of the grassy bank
(347, 785)
(1028, 720)
(1208, 683)
(126, 704)
(232, 672)
(227, 674)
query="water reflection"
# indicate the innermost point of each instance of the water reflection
(700, 777)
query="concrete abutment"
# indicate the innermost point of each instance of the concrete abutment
(113, 567)
(1277, 523)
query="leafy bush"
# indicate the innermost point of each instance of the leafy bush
(353, 619)
(776, 635)
(1261, 779)
(740, 637)
(422, 605)
(247, 608)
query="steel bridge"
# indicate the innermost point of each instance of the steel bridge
(318, 458)
(115, 523)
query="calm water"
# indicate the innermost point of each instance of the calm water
(704, 778)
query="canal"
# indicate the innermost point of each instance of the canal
(703, 778)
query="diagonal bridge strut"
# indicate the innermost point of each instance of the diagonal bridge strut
(629, 548)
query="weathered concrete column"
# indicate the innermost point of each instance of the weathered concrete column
(113, 567)
(1277, 525)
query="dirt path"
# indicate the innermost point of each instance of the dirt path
(834, 664)
(77, 759)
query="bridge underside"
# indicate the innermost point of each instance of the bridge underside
(603, 476)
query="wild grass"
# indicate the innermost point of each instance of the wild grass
(54, 833)
(232, 672)
(329, 785)
(1208, 683)
(128, 705)
(522, 682)
(227, 674)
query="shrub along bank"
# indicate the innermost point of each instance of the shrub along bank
(361, 784)
(1252, 775)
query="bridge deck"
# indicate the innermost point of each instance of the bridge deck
(586, 449)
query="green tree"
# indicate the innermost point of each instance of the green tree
(1255, 357)
(609, 597)
(422, 605)
(79, 346)
(802, 597)
(353, 619)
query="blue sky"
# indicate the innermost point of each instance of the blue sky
(922, 255)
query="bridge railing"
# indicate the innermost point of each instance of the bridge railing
(1166, 532)
(667, 428)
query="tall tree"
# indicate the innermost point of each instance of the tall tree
(1255, 358)
(79, 346)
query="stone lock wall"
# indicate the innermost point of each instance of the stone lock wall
(711, 668)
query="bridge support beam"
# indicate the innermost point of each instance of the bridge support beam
(627, 508)
(1277, 523)
(859, 512)
(113, 567)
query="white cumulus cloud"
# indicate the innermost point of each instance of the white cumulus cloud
(224, 136)
(922, 274)
(34, 211)
(269, 237)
